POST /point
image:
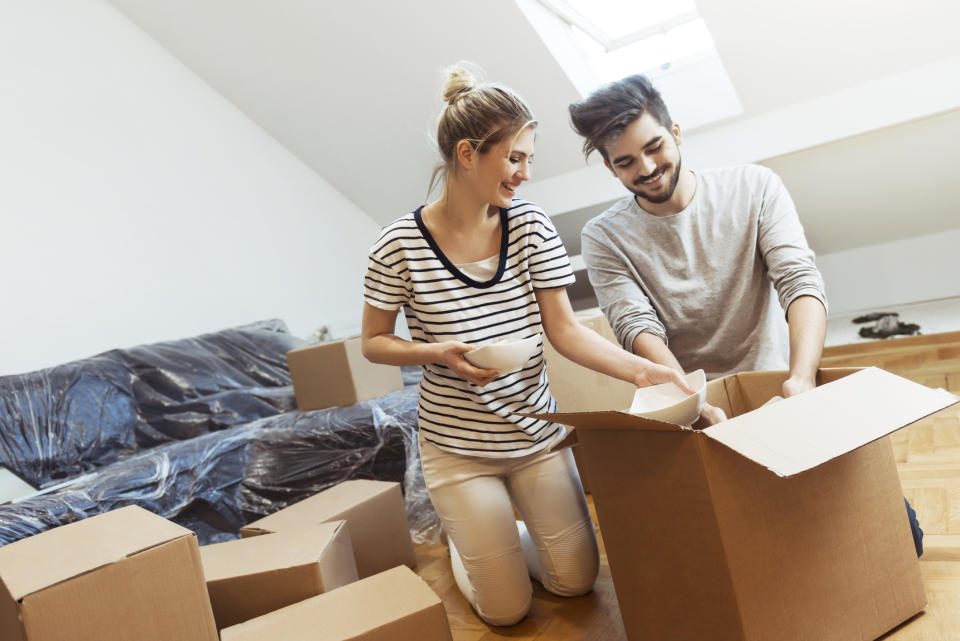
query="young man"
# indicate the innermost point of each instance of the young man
(696, 269)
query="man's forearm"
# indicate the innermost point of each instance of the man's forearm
(652, 347)
(807, 319)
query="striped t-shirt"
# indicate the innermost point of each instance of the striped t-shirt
(407, 269)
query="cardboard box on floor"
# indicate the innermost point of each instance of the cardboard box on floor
(335, 373)
(785, 522)
(395, 605)
(375, 516)
(578, 389)
(251, 577)
(122, 575)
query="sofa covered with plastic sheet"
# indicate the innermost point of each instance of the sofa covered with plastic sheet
(203, 431)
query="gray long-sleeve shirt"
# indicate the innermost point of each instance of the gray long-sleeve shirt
(713, 280)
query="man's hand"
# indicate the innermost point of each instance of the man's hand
(796, 385)
(450, 354)
(710, 415)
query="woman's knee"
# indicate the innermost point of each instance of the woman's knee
(575, 562)
(501, 589)
(503, 602)
(504, 613)
(574, 581)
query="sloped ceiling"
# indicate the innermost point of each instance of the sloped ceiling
(780, 52)
(893, 183)
(352, 88)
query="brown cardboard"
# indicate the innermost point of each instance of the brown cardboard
(791, 539)
(335, 373)
(579, 389)
(395, 605)
(375, 516)
(126, 574)
(250, 577)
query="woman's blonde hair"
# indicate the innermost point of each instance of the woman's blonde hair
(482, 113)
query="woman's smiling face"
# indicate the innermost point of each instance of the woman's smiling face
(502, 168)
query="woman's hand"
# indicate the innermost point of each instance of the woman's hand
(650, 373)
(450, 354)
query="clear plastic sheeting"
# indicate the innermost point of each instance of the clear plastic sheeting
(202, 431)
(60, 422)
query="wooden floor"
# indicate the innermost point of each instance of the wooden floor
(928, 458)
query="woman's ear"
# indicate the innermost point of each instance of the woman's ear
(466, 154)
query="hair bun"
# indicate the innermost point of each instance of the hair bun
(460, 80)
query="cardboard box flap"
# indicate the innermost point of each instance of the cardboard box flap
(287, 549)
(802, 432)
(323, 506)
(348, 612)
(610, 420)
(51, 557)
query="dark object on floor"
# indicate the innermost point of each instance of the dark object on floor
(915, 529)
(202, 431)
(885, 324)
(873, 316)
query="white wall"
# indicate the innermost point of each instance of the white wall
(922, 268)
(136, 204)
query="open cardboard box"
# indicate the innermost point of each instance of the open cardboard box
(785, 522)
(395, 605)
(375, 516)
(250, 577)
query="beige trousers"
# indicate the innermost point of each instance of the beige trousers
(474, 497)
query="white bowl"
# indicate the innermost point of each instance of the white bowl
(507, 355)
(668, 403)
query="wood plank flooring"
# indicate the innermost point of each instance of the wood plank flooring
(928, 459)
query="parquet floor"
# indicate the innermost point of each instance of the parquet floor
(928, 459)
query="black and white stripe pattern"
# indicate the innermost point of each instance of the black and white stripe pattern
(406, 269)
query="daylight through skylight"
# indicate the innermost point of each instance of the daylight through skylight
(619, 22)
(598, 41)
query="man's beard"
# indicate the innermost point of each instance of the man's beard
(668, 192)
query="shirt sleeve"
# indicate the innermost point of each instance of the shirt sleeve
(783, 246)
(619, 292)
(547, 262)
(384, 285)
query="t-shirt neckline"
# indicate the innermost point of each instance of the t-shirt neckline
(459, 275)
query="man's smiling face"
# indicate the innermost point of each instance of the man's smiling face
(646, 159)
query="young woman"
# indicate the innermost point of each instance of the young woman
(475, 265)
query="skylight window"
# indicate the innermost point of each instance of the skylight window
(614, 23)
(599, 41)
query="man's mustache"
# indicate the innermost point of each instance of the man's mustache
(662, 169)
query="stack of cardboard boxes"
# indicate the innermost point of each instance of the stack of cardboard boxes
(129, 574)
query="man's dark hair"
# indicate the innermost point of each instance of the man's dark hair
(602, 116)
